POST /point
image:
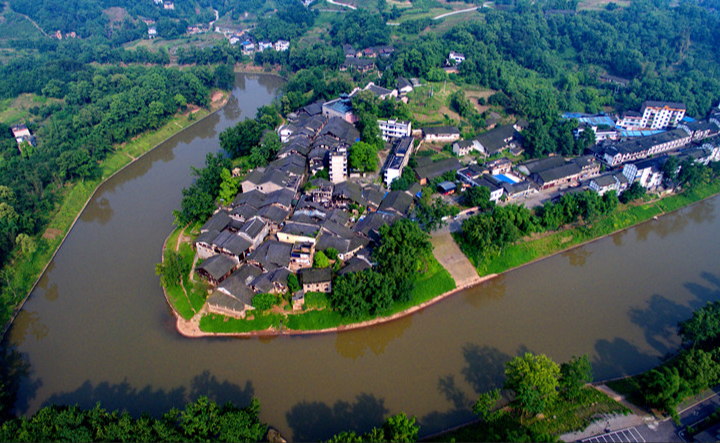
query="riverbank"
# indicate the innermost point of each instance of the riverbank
(27, 270)
(513, 257)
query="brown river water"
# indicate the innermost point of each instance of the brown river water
(97, 327)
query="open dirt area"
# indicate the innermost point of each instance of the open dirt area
(451, 257)
(473, 96)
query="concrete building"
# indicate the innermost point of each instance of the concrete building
(394, 129)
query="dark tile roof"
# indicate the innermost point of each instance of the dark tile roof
(253, 198)
(370, 224)
(337, 229)
(293, 164)
(441, 130)
(644, 143)
(398, 202)
(244, 211)
(544, 164)
(218, 265)
(274, 214)
(438, 168)
(341, 130)
(272, 254)
(219, 221)
(402, 82)
(495, 139)
(230, 303)
(268, 281)
(207, 237)
(253, 227)
(349, 191)
(378, 90)
(282, 197)
(338, 216)
(296, 228)
(373, 195)
(232, 242)
(315, 275)
(560, 172)
(355, 264)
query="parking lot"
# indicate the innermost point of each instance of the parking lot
(623, 435)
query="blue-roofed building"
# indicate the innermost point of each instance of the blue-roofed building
(339, 107)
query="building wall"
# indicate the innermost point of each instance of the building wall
(338, 168)
(325, 287)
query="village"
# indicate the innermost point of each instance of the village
(286, 217)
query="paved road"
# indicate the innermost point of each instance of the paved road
(454, 12)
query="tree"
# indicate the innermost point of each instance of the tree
(293, 283)
(477, 196)
(670, 169)
(321, 260)
(704, 325)
(399, 255)
(574, 375)
(363, 157)
(228, 188)
(170, 270)
(665, 388)
(534, 379)
(633, 192)
(264, 301)
(400, 428)
(485, 405)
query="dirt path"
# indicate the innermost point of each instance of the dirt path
(451, 258)
(7, 5)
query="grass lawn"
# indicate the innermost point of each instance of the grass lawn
(434, 281)
(220, 323)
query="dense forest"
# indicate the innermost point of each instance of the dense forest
(92, 109)
(92, 18)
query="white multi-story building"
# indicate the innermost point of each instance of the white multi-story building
(282, 45)
(394, 129)
(398, 160)
(661, 115)
(338, 166)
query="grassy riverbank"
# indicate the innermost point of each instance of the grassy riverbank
(548, 244)
(561, 417)
(433, 281)
(23, 271)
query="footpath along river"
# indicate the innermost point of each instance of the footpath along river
(97, 327)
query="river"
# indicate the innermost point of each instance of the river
(97, 327)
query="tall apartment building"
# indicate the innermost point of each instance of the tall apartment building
(338, 164)
(661, 115)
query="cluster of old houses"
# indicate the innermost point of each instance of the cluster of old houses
(281, 219)
(363, 60)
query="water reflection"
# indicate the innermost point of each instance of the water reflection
(122, 396)
(316, 421)
(98, 210)
(232, 109)
(577, 256)
(659, 321)
(618, 358)
(51, 293)
(353, 344)
(485, 367)
(15, 375)
(490, 290)
(28, 321)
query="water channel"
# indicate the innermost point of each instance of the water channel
(97, 327)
